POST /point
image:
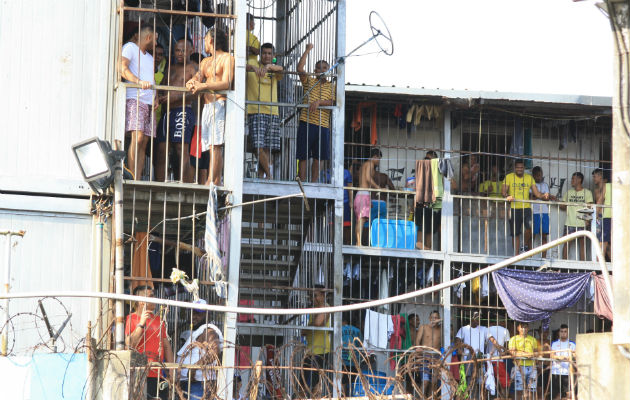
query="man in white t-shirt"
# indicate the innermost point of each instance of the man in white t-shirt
(540, 211)
(136, 66)
(502, 337)
(560, 370)
(475, 336)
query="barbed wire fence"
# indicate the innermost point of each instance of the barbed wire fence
(289, 375)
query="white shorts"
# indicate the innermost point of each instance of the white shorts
(213, 124)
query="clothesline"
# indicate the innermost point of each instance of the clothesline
(576, 163)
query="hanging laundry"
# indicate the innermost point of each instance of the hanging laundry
(446, 168)
(140, 268)
(216, 270)
(410, 112)
(490, 382)
(438, 184)
(532, 296)
(603, 308)
(357, 120)
(400, 113)
(424, 182)
(420, 112)
(517, 146)
(405, 338)
(377, 330)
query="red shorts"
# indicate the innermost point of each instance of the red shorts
(500, 373)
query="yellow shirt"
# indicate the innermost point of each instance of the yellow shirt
(252, 41)
(318, 341)
(525, 344)
(583, 196)
(494, 186)
(518, 187)
(262, 89)
(322, 91)
(608, 201)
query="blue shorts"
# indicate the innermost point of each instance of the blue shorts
(313, 141)
(603, 232)
(181, 124)
(530, 378)
(537, 224)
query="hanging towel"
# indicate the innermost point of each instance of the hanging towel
(406, 340)
(533, 296)
(424, 182)
(446, 168)
(602, 302)
(357, 120)
(462, 388)
(140, 268)
(490, 383)
(378, 328)
(420, 112)
(216, 271)
(436, 177)
(395, 340)
(410, 113)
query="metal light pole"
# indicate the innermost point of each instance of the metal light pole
(7, 285)
(119, 263)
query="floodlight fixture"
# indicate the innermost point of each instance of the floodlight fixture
(97, 162)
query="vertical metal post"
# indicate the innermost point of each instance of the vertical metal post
(7, 287)
(446, 242)
(99, 272)
(337, 179)
(619, 14)
(7, 280)
(233, 181)
(119, 263)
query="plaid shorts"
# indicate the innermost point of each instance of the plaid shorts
(264, 131)
(139, 117)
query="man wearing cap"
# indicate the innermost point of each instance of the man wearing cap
(197, 319)
(202, 348)
(145, 332)
(475, 336)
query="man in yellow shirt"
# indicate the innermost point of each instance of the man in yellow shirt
(317, 341)
(516, 188)
(313, 137)
(603, 195)
(524, 371)
(263, 119)
(253, 44)
(577, 194)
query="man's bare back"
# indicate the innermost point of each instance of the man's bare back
(429, 336)
(366, 176)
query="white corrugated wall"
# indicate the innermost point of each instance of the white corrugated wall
(57, 84)
(55, 77)
(55, 254)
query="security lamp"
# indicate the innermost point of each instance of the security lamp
(97, 161)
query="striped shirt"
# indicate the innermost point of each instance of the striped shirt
(322, 91)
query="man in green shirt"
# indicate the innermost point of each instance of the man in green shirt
(578, 194)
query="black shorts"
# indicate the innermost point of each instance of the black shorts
(559, 384)
(519, 218)
(204, 161)
(428, 219)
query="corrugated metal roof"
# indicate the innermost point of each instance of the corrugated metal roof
(599, 101)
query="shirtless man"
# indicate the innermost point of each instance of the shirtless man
(362, 200)
(178, 124)
(430, 335)
(216, 72)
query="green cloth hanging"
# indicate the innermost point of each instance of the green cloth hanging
(463, 386)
